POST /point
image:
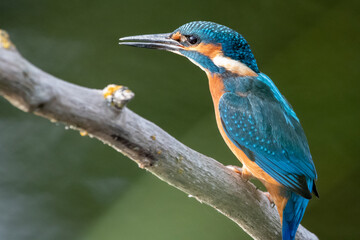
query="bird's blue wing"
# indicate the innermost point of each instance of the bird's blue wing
(269, 134)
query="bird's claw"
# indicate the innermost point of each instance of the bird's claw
(236, 169)
(268, 196)
(117, 95)
(243, 174)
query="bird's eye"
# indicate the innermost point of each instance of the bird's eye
(192, 39)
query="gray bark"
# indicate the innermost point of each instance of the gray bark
(32, 90)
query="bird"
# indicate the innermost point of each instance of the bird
(255, 120)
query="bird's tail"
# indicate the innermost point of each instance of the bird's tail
(293, 213)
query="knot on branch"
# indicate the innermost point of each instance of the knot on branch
(5, 41)
(117, 95)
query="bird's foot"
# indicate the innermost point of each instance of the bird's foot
(243, 172)
(117, 95)
(272, 203)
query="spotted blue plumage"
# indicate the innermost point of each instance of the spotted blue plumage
(257, 118)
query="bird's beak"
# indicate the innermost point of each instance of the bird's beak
(161, 41)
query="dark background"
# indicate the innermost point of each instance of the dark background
(55, 184)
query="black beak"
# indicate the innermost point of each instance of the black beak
(153, 41)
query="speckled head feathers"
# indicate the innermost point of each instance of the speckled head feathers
(233, 44)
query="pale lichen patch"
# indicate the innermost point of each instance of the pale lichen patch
(83, 133)
(110, 90)
(5, 40)
(117, 95)
(179, 159)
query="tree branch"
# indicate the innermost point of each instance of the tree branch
(32, 90)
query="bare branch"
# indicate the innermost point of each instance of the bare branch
(32, 90)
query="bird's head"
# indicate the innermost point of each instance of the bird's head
(213, 47)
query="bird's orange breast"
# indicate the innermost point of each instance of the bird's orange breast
(217, 89)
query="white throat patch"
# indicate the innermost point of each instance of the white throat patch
(233, 65)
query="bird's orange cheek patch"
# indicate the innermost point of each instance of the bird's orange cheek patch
(207, 49)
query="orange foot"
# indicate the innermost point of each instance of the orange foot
(272, 203)
(243, 172)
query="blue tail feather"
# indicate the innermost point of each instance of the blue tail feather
(293, 213)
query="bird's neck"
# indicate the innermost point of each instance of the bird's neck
(217, 88)
(221, 83)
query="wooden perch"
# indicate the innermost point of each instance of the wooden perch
(32, 90)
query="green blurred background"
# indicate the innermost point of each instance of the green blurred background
(55, 184)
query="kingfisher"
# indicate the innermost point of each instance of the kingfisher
(256, 121)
